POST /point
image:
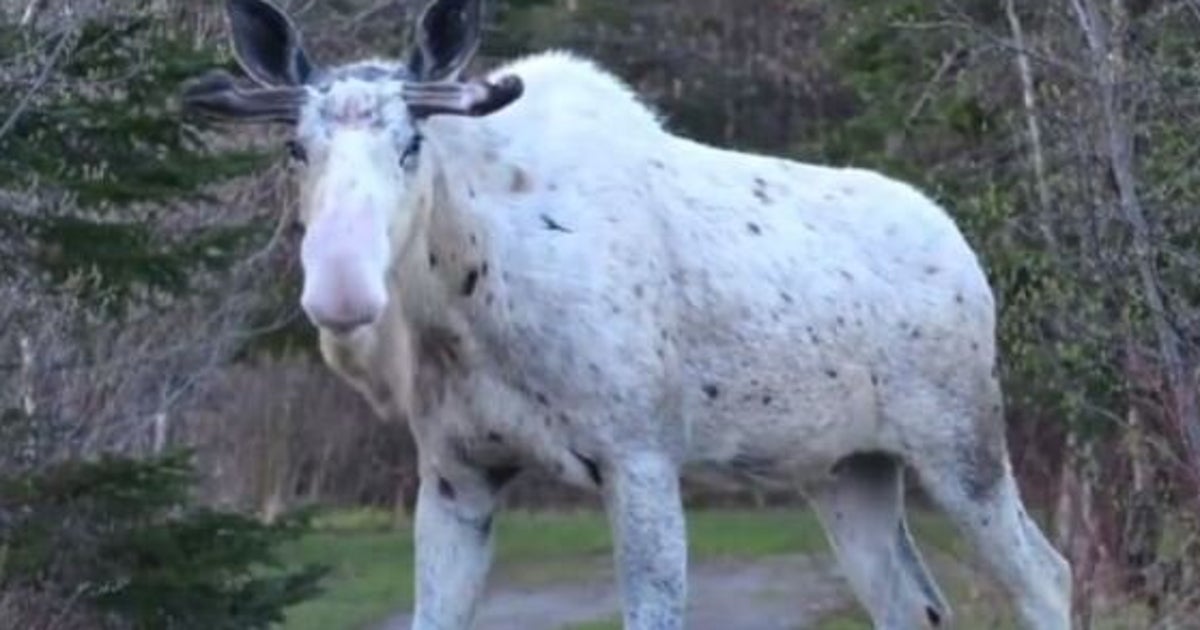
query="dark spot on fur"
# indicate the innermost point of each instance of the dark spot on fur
(440, 347)
(541, 398)
(593, 469)
(498, 476)
(752, 465)
(521, 181)
(838, 515)
(754, 229)
(916, 333)
(786, 297)
(483, 270)
(470, 192)
(638, 291)
(935, 619)
(469, 282)
(932, 269)
(552, 225)
(445, 489)
(974, 345)
(657, 164)
(766, 400)
(985, 521)
(433, 260)
(474, 240)
(564, 418)
(492, 436)
(485, 526)
(841, 321)
(831, 373)
(711, 391)
(958, 297)
(847, 275)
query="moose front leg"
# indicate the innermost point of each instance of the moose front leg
(643, 501)
(453, 544)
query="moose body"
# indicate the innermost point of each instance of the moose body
(563, 285)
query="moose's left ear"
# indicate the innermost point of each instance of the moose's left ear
(446, 38)
(267, 44)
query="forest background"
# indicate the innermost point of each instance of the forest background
(148, 274)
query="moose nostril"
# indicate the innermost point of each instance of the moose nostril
(340, 317)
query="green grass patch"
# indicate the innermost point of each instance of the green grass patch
(372, 563)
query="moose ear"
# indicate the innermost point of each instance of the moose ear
(446, 38)
(267, 44)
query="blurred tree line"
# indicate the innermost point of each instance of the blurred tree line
(149, 278)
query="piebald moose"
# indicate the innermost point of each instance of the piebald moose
(535, 274)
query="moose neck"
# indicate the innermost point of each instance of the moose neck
(444, 266)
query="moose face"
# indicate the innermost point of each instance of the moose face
(358, 137)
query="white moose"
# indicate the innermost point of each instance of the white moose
(536, 274)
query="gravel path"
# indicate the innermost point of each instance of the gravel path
(782, 593)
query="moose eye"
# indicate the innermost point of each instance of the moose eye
(296, 151)
(408, 158)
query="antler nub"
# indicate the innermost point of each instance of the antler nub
(218, 95)
(470, 98)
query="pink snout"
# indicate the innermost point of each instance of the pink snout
(340, 301)
(345, 260)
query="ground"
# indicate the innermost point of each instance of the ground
(751, 570)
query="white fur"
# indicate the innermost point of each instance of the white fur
(570, 287)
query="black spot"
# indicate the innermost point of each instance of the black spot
(711, 391)
(593, 469)
(786, 297)
(472, 279)
(485, 526)
(541, 398)
(492, 436)
(916, 333)
(958, 297)
(474, 241)
(985, 521)
(499, 476)
(553, 226)
(754, 229)
(766, 400)
(841, 321)
(445, 489)
(433, 260)
(564, 418)
(760, 190)
(831, 373)
(935, 619)
(752, 465)
(483, 270)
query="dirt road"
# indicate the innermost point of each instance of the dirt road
(783, 593)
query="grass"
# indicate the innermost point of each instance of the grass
(372, 563)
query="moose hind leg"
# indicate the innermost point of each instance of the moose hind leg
(862, 509)
(993, 518)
